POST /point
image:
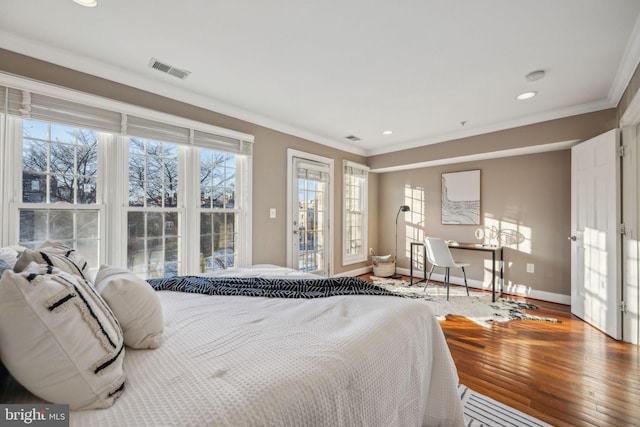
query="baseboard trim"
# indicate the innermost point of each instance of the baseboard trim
(512, 289)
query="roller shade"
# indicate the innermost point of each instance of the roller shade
(36, 106)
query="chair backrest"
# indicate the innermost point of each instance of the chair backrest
(438, 252)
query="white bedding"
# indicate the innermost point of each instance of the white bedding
(245, 361)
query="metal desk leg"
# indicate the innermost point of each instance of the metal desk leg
(493, 276)
(501, 271)
(410, 264)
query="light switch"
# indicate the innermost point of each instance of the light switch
(272, 213)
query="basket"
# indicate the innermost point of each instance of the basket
(383, 266)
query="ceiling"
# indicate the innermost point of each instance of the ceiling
(428, 70)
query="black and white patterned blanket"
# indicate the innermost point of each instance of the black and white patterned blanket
(269, 287)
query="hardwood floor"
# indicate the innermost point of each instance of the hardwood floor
(566, 373)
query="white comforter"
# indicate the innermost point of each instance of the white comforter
(250, 361)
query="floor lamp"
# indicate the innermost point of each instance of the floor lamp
(403, 208)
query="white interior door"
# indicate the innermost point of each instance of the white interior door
(595, 216)
(309, 246)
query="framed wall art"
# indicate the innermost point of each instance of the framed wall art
(461, 197)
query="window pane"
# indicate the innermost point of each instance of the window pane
(77, 229)
(63, 133)
(62, 156)
(34, 156)
(61, 189)
(88, 225)
(34, 188)
(61, 225)
(153, 244)
(218, 232)
(217, 179)
(86, 190)
(35, 129)
(153, 173)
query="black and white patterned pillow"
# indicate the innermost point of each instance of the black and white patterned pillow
(57, 255)
(59, 339)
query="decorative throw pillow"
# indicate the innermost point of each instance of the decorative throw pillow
(10, 254)
(135, 304)
(59, 339)
(56, 255)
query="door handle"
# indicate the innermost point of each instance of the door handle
(574, 238)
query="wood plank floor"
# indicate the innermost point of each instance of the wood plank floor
(566, 373)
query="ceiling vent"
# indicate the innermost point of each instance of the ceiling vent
(168, 69)
(352, 138)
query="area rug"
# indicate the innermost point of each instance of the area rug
(477, 307)
(482, 411)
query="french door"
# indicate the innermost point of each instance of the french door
(309, 213)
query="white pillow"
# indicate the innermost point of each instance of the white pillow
(57, 255)
(135, 304)
(10, 254)
(59, 339)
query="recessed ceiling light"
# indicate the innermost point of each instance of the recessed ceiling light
(87, 3)
(387, 132)
(535, 75)
(526, 95)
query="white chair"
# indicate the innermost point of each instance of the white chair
(439, 255)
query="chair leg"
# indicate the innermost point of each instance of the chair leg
(446, 281)
(428, 277)
(465, 280)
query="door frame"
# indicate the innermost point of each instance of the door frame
(291, 153)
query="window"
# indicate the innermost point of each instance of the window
(355, 206)
(59, 188)
(218, 215)
(126, 186)
(153, 219)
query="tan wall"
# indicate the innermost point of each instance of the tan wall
(578, 127)
(270, 153)
(530, 194)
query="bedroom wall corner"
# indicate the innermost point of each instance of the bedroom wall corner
(528, 194)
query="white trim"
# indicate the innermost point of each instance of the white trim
(631, 116)
(364, 237)
(513, 289)
(291, 153)
(627, 65)
(357, 272)
(533, 149)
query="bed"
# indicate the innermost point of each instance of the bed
(344, 360)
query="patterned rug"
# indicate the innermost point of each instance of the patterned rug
(482, 411)
(477, 306)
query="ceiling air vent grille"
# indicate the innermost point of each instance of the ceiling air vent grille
(168, 69)
(352, 138)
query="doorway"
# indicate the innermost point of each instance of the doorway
(309, 213)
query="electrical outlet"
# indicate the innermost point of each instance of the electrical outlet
(530, 268)
(272, 213)
(371, 251)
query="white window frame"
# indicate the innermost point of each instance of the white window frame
(348, 259)
(114, 166)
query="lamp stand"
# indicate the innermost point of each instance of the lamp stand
(395, 275)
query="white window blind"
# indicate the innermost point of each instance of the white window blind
(28, 104)
(151, 129)
(222, 143)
